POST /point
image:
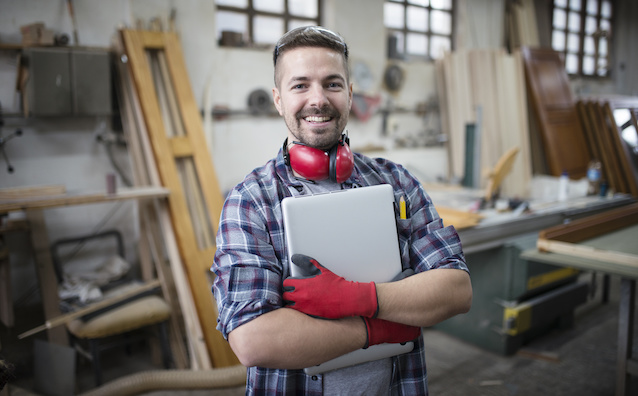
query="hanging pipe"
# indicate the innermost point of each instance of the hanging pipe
(156, 380)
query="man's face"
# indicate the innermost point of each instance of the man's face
(313, 95)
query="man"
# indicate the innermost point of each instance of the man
(271, 327)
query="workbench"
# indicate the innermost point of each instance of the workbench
(517, 299)
(33, 207)
(612, 253)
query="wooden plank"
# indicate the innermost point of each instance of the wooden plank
(60, 320)
(581, 263)
(613, 161)
(607, 158)
(512, 128)
(82, 198)
(149, 239)
(181, 147)
(17, 193)
(494, 82)
(199, 351)
(545, 245)
(523, 168)
(150, 39)
(483, 91)
(444, 104)
(592, 226)
(526, 17)
(505, 99)
(602, 242)
(195, 259)
(460, 108)
(585, 120)
(464, 104)
(177, 285)
(150, 242)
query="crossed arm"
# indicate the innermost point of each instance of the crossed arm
(288, 339)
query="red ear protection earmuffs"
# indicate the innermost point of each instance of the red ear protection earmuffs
(311, 163)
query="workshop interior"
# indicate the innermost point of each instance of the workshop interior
(123, 125)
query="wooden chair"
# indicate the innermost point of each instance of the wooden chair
(118, 322)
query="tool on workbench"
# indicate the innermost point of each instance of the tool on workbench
(498, 174)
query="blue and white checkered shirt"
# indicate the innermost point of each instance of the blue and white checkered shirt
(251, 254)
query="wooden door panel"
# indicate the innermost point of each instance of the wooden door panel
(563, 139)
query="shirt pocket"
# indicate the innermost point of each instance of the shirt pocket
(404, 231)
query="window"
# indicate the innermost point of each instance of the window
(261, 22)
(581, 30)
(418, 28)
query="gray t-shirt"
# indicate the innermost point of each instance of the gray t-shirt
(372, 378)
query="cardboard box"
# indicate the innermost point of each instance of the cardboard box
(37, 34)
(31, 33)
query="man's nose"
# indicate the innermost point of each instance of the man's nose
(317, 96)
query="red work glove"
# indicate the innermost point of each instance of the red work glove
(326, 295)
(381, 331)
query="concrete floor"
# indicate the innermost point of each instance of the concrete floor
(578, 361)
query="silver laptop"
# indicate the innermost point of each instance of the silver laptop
(354, 234)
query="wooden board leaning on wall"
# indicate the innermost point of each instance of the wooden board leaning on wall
(179, 147)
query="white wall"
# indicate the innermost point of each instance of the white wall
(224, 76)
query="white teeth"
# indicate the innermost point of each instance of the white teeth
(317, 119)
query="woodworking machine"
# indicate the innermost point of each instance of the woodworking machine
(515, 299)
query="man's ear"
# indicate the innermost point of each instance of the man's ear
(350, 96)
(276, 98)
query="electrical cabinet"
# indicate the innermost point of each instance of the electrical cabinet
(67, 82)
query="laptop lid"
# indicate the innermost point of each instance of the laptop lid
(353, 233)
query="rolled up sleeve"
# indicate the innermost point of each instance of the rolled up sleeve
(248, 271)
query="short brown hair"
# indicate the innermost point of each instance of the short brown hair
(311, 36)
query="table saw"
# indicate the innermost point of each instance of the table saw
(517, 299)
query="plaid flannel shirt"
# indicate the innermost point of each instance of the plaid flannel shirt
(250, 267)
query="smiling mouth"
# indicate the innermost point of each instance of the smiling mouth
(317, 119)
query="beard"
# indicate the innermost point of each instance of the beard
(318, 137)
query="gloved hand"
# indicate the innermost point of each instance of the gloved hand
(381, 331)
(323, 294)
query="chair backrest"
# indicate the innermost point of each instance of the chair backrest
(57, 245)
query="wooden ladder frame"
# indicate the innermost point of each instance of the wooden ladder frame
(185, 166)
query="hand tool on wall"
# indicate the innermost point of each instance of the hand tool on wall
(4, 140)
(76, 40)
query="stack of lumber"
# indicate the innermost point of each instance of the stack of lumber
(610, 125)
(167, 145)
(490, 83)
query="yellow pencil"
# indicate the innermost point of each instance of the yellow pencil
(402, 211)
